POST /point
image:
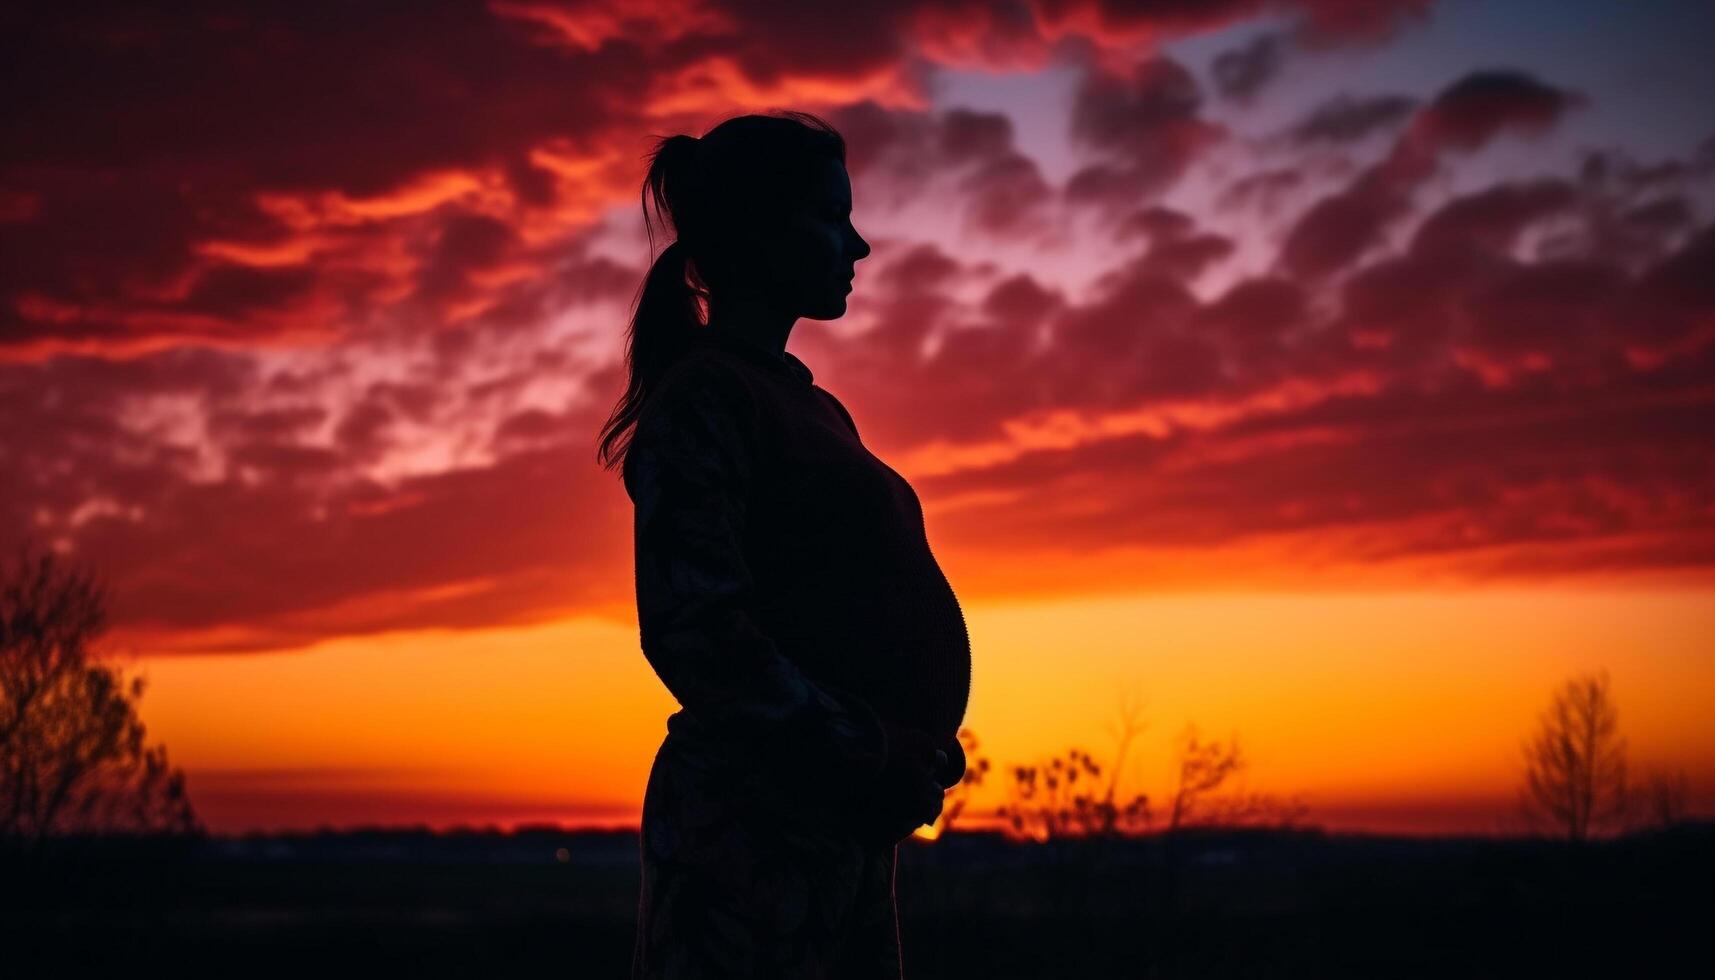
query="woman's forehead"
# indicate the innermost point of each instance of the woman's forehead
(831, 182)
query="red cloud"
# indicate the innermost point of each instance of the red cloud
(1147, 124)
(328, 286)
(1473, 110)
(1343, 226)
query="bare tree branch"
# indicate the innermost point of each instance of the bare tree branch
(1575, 764)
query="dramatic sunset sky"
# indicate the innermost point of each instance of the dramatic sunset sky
(1336, 373)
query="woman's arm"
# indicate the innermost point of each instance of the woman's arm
(688, 472)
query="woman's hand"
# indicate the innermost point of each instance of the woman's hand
(909, 793)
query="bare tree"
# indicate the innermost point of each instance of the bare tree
(72, 752)
(1575, 765)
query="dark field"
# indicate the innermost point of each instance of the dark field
(1232, 904)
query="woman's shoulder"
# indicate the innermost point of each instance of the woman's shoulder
(701, 374)
(697, 405)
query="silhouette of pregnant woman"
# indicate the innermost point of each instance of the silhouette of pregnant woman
(786, 593)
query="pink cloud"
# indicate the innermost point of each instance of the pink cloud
(305, 353)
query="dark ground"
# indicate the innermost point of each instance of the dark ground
(1216, 905)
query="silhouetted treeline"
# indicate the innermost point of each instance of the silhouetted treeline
(545, 901)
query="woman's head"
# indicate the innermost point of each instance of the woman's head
(760, 207)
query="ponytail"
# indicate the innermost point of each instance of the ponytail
(664, 311)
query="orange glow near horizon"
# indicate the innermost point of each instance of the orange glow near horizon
(1336, 376)
(1380, 711)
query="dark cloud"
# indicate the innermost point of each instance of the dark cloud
(1241, 72)
(1127, 114)
(1008, 196)
(973, 137)
(362, 431)
(1660, 216)
(1256, 318)
(998, 190)
(1187, 258)
(1156, 223)
(1175, 247)
(280, 550)
(1005, 191)
(1342, 227)
(1673, 308)
(1145, 126)
(1342, 23)
(1475, 109)
(292, 308)
(1021, 301)
(1344, 119)
(288, 157)
(1600, 167)
(1490, 220)
(266, 425)
(1523, 425)
(1480, 482)
(1263, 190)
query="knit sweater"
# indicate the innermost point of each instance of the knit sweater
(786, 592)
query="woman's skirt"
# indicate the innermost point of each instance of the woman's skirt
(739, 879)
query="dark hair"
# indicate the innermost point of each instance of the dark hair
(750, 169)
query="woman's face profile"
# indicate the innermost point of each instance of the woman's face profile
(812, 261)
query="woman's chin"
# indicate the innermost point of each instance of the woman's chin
(832, 309)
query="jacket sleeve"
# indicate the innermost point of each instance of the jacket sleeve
(688, 470)
(844, 413)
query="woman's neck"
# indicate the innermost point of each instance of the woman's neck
(754, 322)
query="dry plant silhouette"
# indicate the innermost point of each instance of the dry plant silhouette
(1064, 798)
(72, 752)
(1575, 764)
(1046, 802)
(1094, 869)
